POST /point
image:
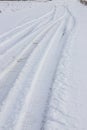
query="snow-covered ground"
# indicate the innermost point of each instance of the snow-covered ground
(43, 65)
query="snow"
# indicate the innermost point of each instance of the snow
(9, 19)
(80, 63)
(43, 65)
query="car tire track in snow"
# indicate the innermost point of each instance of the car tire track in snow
(27, 77)
(19, 85)
(23, 58)
(20, 57)
(21, 62)
(57, 115)
(19, 47)
(18, 29)
(25, 31)
(5, 81)
(33, 100)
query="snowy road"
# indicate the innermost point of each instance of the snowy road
(29, 58)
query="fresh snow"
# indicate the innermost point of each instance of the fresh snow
(43, 65)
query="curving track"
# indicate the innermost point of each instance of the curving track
(29, 56)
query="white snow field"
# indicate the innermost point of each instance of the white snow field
(43, 65)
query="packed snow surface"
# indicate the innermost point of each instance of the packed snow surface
(42, 76)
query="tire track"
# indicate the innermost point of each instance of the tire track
(4, 78)
(29, 119)
(21, 81)
(20, 35)
(18, 63)
(18, 29)
(19, 88)
(36, 40)
(57, 115)
(18, 48)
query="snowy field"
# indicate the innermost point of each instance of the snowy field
(43, 66)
